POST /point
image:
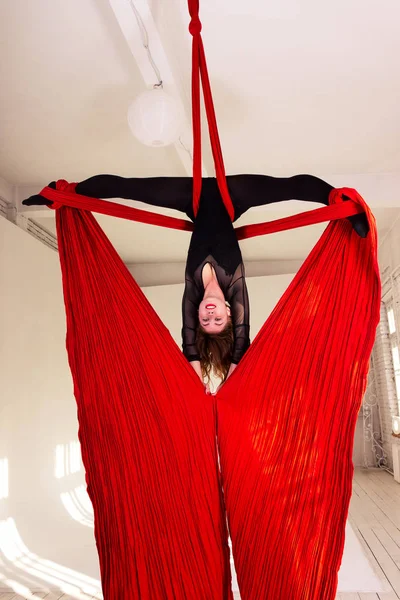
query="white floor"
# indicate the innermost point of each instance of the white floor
(370, 567)
(371, 561)
(375, 516)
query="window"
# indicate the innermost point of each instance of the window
(394, 344)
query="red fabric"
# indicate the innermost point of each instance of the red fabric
(287, 417)
(285, 421)
(199, 68)
(146, 429)
(65, 196)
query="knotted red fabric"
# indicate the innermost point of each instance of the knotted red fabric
(285, 420)
(199, 68)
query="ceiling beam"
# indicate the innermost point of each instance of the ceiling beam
(150, 274)
(131, 31)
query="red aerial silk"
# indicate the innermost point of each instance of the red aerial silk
(285, 420)
(283, 423)
(287, 417)
(199, 68)
(146, 428)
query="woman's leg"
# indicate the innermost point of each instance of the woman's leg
(168, 192)
(256, 190)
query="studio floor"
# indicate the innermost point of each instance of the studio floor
(375, 517)
(372, 552)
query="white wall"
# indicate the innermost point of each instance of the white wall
(389, 249)
(47, 517)
(37, 413)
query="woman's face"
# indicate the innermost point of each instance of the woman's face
(213, 315)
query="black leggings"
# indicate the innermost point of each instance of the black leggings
(176, 192)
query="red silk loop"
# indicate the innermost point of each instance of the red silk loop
(55, 205)
(63, 186)
(195, 26)
(200, 75)
(336, 195)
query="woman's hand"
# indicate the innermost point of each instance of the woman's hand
(231, 369)
(197, 367)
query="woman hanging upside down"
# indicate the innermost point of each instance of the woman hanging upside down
(215, 307)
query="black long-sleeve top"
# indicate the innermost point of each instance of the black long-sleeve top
(213, 239)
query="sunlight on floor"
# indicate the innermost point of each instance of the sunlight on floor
(39, 571)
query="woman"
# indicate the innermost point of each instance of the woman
(215, 307)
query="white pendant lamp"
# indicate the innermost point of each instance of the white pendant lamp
(155, 118)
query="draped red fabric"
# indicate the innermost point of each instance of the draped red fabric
(287, 417)
(199, 68)
(65, 196)
(285, 421)
(146, 429)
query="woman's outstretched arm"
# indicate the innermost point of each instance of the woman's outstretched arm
(238, 299)
(190, 305)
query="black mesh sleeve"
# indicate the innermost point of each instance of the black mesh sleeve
(238, 299)
(190, 306)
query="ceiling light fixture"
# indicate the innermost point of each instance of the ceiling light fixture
(154, 117)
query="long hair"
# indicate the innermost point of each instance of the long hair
(215, 350)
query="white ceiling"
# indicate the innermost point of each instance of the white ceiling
(299, 86)
(67, 79)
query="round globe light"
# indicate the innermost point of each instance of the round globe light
(155, 118)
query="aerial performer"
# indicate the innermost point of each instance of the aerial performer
(215, 305)
(171, 470)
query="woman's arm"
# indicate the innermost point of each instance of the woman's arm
(197, 368)
(238, 299)
(190, 305)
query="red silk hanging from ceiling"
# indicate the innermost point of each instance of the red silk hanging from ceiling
(287, 418)
(146, 429)
(65, 195)
(285, 422)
